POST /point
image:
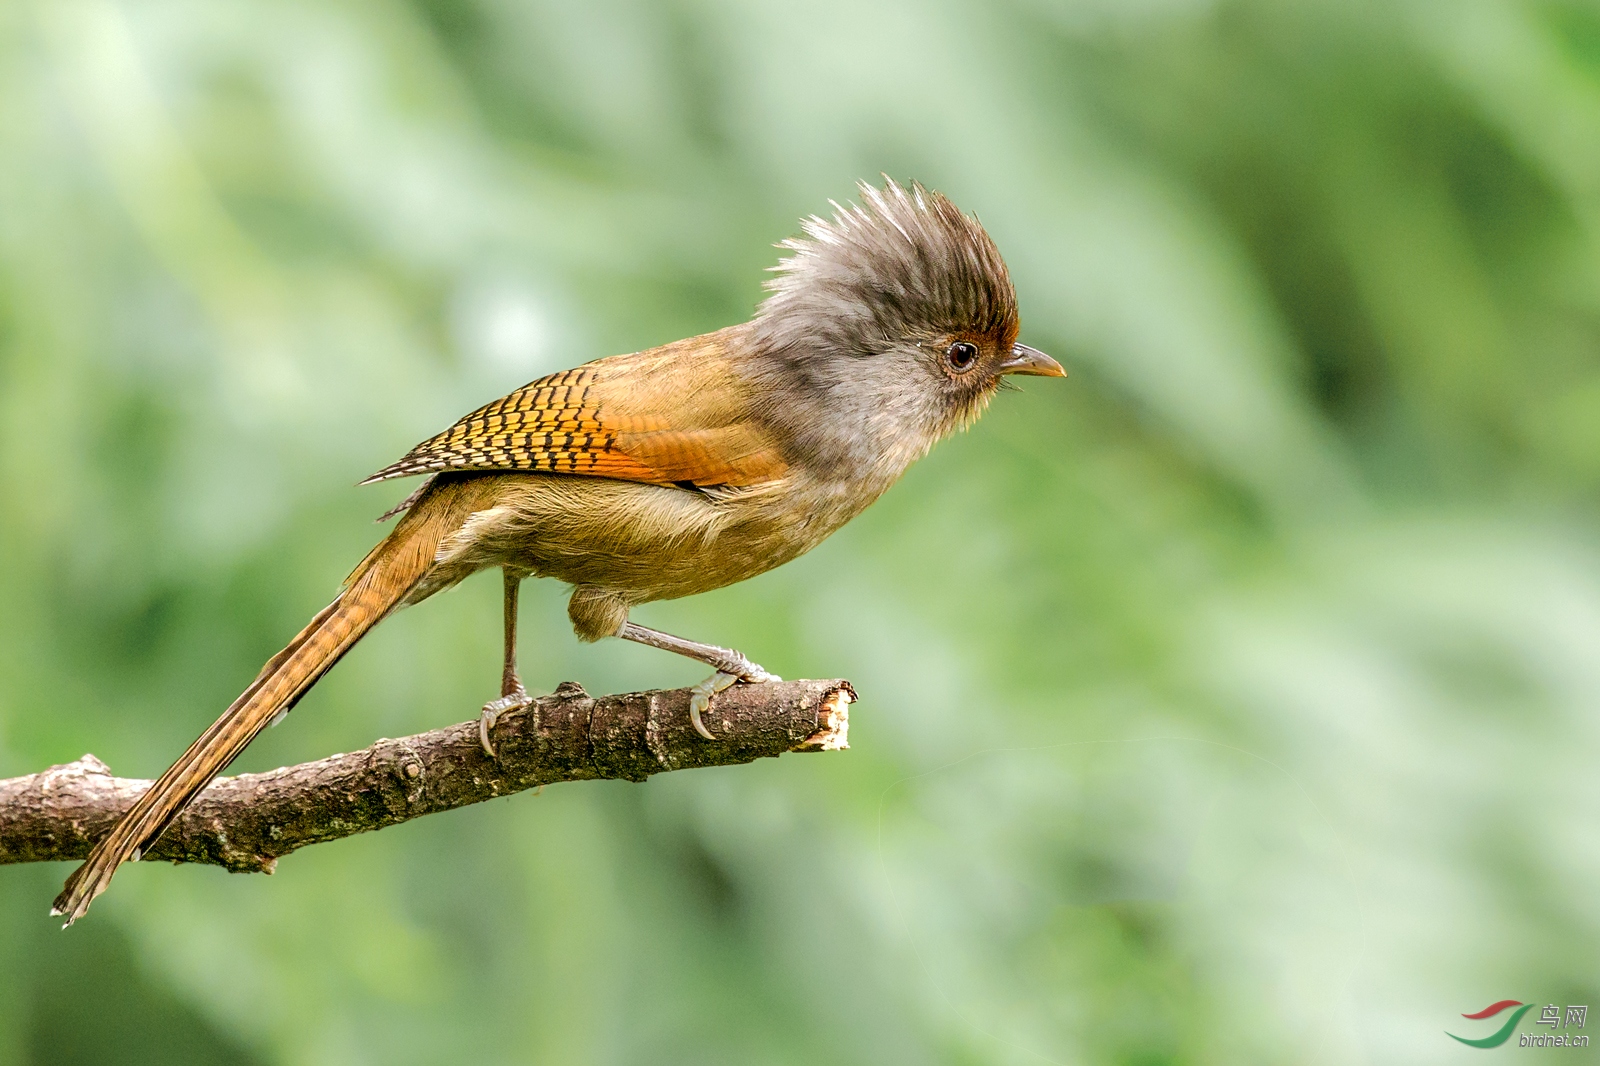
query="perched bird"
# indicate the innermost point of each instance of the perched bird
(670, 471)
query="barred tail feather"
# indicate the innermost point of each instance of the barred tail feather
(376, 587)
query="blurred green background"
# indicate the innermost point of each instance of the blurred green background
(1236, 700)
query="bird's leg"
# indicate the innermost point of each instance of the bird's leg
(512, 695)
(731, 666)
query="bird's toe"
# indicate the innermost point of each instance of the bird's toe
(514, 700)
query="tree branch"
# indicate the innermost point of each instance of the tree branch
(246, 823)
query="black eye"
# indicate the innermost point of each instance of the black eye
(962, 354)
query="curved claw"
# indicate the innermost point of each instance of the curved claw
(700, 695)
(700, 699)
(512, 701)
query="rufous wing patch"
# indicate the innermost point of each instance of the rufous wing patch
(726, 455)
(668, 416)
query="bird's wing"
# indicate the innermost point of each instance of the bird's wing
(672, 415)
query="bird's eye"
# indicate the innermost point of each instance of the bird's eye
(962, 354)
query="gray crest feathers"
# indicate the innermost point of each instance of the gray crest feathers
(906, 262)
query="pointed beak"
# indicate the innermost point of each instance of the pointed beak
(1026, 360)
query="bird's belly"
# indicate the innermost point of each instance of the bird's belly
(650, 542)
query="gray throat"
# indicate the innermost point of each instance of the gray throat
(847, 416)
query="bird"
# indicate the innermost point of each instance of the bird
(667, 472)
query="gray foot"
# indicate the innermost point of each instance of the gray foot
(700, 695)
(512, 701)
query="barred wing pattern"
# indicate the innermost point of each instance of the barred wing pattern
(661, 417)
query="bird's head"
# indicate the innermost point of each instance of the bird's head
(899, 312)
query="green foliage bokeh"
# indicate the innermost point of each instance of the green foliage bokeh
(1234, 700)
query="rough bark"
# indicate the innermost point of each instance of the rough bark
(246, 823)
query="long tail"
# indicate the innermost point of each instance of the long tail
(376, 587)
